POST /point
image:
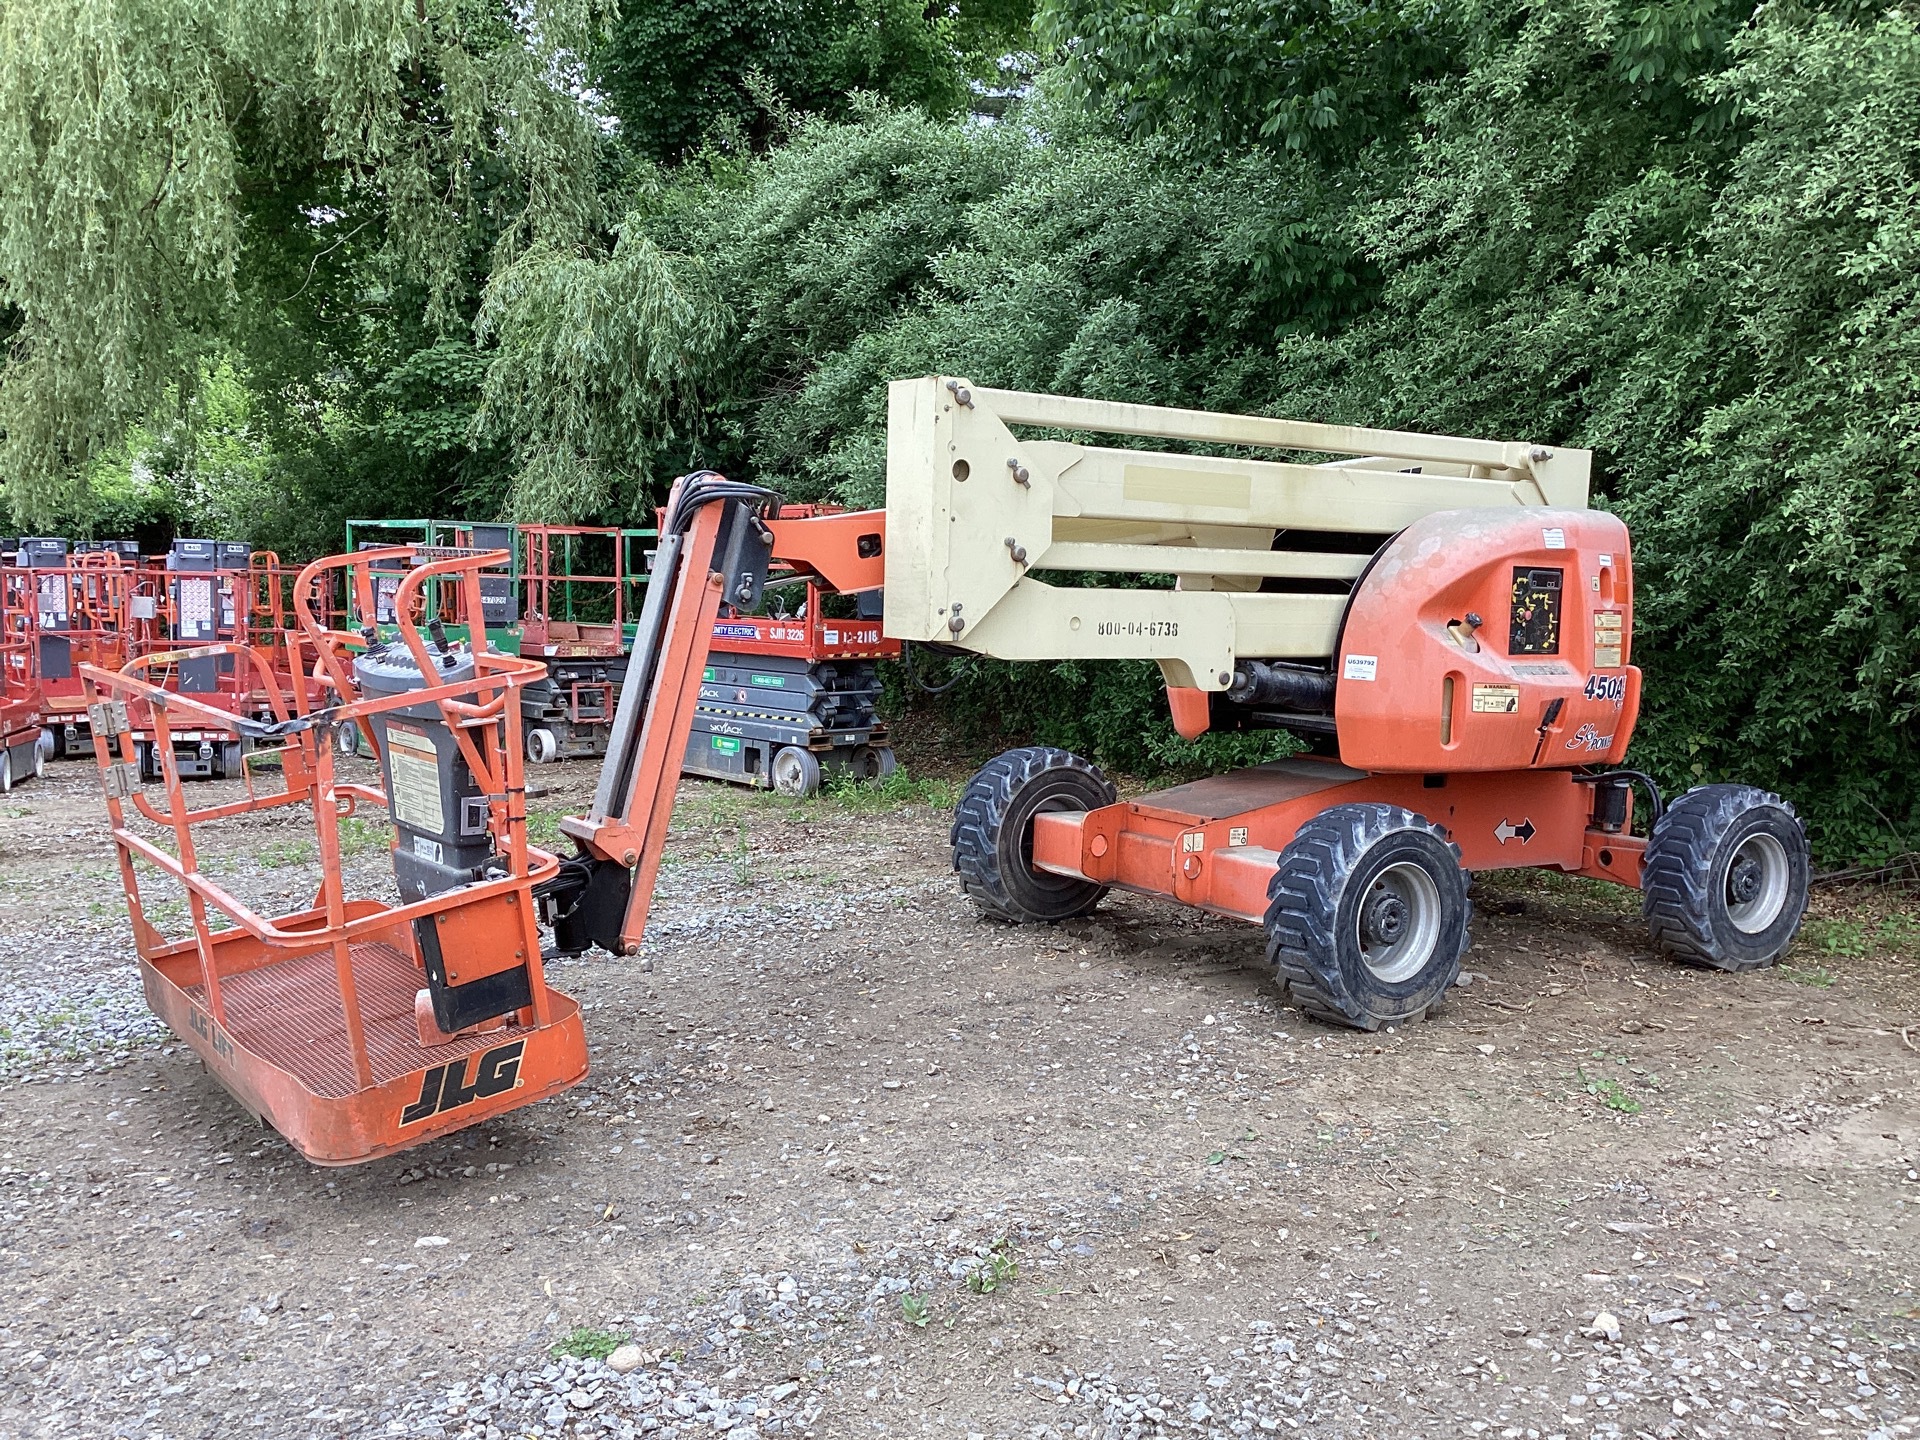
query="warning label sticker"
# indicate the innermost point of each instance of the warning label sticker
(194, 599)
(1607, 631)
(1496, 699)
(415, 779)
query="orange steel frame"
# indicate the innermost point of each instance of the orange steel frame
(1214, 843)
(320, 959)
(21, 700)
(99, 588)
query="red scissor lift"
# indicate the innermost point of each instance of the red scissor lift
(356, 1026)
(23, 749)
(792, 694)
(82, 615)
(195, 606)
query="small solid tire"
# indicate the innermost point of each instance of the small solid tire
(39, 761)
(1724, 884)
(6, 772)
(1368, 916)
(871, 762)
(993, 834)
(543, 746)
(346, 739)
(795, 772)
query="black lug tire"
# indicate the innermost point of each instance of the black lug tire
(1313, 935)
(1684, 881)
(993, 834)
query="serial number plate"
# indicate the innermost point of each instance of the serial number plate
(1141, 629)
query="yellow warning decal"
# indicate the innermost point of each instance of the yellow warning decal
(416, 779)
(1607, 632)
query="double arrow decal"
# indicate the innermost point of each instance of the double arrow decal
(1506, 830)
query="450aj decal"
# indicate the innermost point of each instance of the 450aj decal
(443, 1087)
(1606, 687)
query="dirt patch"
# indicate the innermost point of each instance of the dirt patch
(852, 1161)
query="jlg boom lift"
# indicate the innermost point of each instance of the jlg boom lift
(1443, 623)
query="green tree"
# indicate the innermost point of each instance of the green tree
(676, 72)
(1325, 77)
(167, 162)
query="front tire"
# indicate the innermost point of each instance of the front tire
(1725, 879)
(795, 772)
(543, 746)
(993, 834)
(1367, 916)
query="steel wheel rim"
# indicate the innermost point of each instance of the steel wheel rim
(789, 775)
(1397, 923)
(1757, 881)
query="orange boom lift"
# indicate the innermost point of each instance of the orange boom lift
(1442, 624)
(356, 1026)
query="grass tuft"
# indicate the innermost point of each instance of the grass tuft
(584, 1342)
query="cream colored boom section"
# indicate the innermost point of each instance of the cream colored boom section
(973, 510)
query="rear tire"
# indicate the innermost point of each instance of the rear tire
(1725, 879)
(346, 739)
(1367, 916)
(543, 746)
(6, 772)
(795, 772)
(993, 834)
(870, 762)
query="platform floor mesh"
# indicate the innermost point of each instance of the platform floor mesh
(289, 1015)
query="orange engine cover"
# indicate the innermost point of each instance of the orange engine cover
(1540, 681)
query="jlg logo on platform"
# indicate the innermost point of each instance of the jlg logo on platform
(443, 1087)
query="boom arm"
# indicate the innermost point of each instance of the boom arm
(1263, 550)
(715, 544)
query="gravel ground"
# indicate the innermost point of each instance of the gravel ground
(852, 1162)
